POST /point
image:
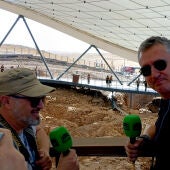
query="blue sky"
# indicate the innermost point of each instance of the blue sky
(46, 38)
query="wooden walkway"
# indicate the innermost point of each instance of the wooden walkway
(100, 146)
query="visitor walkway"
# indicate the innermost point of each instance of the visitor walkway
(100, 85)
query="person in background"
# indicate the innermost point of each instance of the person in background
(137, 83)
(88, 78)
(154, 59)
(10, 158)
(145, 84)
(22, 97)
(2, 68)
(107, 80)
(110, 80)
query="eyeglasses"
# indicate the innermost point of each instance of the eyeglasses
(158, 64)
(33, 100)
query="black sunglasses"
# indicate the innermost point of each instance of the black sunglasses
(33, 100)
(158, 64)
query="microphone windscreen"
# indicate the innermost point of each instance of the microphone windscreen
(132, 125)
(60, 139)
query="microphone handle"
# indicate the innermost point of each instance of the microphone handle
(57, 156)
(132, 140)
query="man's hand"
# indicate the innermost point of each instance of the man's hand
(44, 161)
(68, 162)
(10, 158)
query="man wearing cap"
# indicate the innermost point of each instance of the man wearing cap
(21, 99)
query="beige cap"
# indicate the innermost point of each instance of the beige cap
(22, 81)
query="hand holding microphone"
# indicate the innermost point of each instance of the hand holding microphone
(61, 141)
(132, 126)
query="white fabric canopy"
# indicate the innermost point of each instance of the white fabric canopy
(116, 26)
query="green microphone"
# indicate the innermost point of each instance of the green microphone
(132, 126)
(61, 141)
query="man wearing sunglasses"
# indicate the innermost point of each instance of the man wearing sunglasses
(154, 59)
(21, 99)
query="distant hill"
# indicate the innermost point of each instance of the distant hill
(113, 60)
(21, 56)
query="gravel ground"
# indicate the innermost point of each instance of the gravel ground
(88, 116)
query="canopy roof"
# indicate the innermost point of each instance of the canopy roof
(116, 26)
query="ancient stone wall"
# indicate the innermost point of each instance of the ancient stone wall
(137, 101)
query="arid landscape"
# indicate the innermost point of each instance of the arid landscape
(89, 116)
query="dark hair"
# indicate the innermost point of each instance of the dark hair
(153, 41)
